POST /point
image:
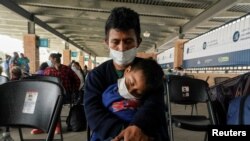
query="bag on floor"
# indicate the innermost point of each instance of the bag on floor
(239, 107)
(239, 111)
(76, 120)
(226, 94)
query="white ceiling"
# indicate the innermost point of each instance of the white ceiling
(81, 22)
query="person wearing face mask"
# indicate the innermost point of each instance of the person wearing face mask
(122, 31)
(121, 99)
(69, 79)
(75, 66)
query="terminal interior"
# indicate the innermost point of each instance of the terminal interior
(171, 30)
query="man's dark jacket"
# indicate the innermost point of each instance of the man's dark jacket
(150, 117)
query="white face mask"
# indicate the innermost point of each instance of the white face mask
(50, 63)
(123, 58)
(122, 89)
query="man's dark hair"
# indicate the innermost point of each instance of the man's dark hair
(152, 72)
(57, 56)
(124, 19)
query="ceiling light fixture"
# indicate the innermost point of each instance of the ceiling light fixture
(146, 34)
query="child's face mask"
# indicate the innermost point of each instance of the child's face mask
(123, 90)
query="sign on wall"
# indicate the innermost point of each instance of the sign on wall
(166, 58)
(43, 42)
(73, 54)
(225, 46)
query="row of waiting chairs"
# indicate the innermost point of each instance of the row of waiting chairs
(14, 95)
(186, 90)
(183, 90)
(32, 103)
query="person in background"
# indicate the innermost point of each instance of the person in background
(122, 36)
(179, 71)
(85, 70)
(70, 64)
(169, 71)
(24, 63)
(16, 73)
(1, 70)
(42, 67)
(75, 66)
(1, 65)
(70, 81)
(14, 61)
(1, 61)
(6, 65)
(79, 72)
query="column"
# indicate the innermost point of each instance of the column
(31, 27)
(178, 52)
(90, 62)
(31, 47)
(146, 55)
(66, 54)
(31, 50)
(81, 59)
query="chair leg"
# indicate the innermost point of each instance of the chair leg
(7, 129)
(170, 130)
(196, 109)
(206, 137)
(88, 133)
(192, 109)
(20, 133)
(5, 135)
(61, 134)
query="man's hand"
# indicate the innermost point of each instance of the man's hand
(132, 133)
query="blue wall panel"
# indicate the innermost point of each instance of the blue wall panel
(239, 58)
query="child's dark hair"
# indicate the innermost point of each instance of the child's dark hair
(57, 56)
(152, 72)
(123, 18)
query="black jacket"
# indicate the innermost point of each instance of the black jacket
(150, 117)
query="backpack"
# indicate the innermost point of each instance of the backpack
(239, 111)
(76, 120)
(224, 93)
(239, 107)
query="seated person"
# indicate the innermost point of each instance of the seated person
(16, 73)
(42, 67)
(179, 71)
(1, 70)
(123, 97)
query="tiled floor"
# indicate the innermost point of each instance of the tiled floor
(186, 135)
(179, 134)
